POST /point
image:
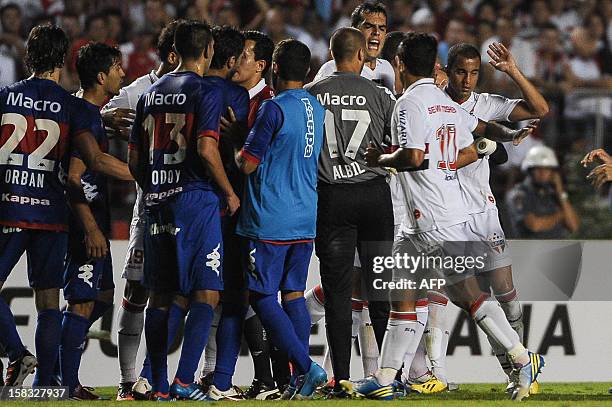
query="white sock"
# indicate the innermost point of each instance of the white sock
(400, 336)
(129, 332)
(415, 364)
(492, 320)
(315, 302)
(367, 343)
(514, 313)
(356, 311)
(436, 334)
(210, 352)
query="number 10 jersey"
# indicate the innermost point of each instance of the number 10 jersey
(426, 119)
(39, 118)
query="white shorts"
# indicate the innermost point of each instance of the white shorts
(487, 228)
(134, 258)
(133, 268)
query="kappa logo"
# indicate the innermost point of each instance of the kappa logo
(86, 274)
(214, 258)
(497, 242)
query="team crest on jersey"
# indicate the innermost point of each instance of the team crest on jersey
(497, 242)
(86, 274)
(214, 259)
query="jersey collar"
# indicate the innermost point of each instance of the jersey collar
(424, 81)
(257, 88)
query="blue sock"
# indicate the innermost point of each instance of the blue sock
(74, 331)
(47, 339)
(10, 338)
(197, 328)
(156, 322)
(281, 330)
(99, 309)
(229, 333)
(300, 318)
(176, 315)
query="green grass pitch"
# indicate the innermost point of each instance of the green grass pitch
(552, 394)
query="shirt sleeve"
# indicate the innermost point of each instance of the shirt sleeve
(500, 107)
(410, 125)
(269, 120)
(122, 100)
(325, 70)
(209, 112)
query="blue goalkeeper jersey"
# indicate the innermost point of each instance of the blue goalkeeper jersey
(280, 199)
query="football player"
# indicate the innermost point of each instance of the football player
(175, 158)
(88, 275)
(119, 114)
(40, 124)
(279, 213)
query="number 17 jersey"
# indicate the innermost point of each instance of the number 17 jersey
(38, 120)
(171, 116)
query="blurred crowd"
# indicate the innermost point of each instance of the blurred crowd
(563, 46)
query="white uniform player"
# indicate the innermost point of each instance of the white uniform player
(474, 181)
(128, 98)
(382, 74)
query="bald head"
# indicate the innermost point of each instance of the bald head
(346, 43)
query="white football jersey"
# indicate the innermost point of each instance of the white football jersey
(383, 73)
(128, 99)
(425, 118)
(474, 178)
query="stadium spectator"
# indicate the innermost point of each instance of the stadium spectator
(12, 44)
(540, 207)
(523, 53)
(454, 34)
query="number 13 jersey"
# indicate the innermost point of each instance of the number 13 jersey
(39, 118)
(426, 119)
(171, 116)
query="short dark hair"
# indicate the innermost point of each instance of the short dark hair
(191, 38)
(229, 42)
(462, 50)
(94, 58)
(418, 52)
(46, 48)
(165, 41)
(367, 7)
(293, 60)
(9, 6)
(263, 49)
(93, 17)
(392, 41)
(345, 42)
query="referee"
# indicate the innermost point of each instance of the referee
(354, 207)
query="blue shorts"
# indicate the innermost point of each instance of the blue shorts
(278, 267)
(84, 279)
(45, 253)
(183, 246)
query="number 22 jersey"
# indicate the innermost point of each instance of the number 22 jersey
(171, 116)
(38, 120)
